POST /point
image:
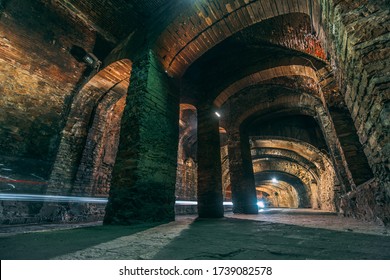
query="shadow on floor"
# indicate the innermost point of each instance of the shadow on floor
(47, 245)
(297, 211)
(230, 238)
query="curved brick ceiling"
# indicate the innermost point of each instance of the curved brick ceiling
(279, 99)
(270, 44)
(287, 125)
(185, 30)
(284, 178)
(114, 19)
(304, 150)
(286, 166)
(288, 196)
(253, 79)
(272, 153)
(215, 74)
(325, 176)
(208, 23)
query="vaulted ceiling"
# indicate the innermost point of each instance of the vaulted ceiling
(263, 56)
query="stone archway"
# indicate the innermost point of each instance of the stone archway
(105, 89)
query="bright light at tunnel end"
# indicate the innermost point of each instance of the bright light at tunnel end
(261, 204)
(274, 180)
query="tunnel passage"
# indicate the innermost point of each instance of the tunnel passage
(312, 166)
(283, 189)
(326, 61)
(186, 176)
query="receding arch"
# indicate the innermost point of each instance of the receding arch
(186, 40)
(295, 169)
(111, 84)
(303, 149)
(268, 74)
(327, 181)
(272, 102)
(277, 178)
(286, 196)
(186, 106)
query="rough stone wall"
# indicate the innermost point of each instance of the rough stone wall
(37, 75)
(16, 212)
(20, 212)
(357, 33)
(345, 128)
(144, 175)
(359, 44)
(367, 202)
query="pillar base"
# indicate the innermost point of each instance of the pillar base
(246, 209)
(210, 211)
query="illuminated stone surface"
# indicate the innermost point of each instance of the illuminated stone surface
(273, 234)
(301, 89)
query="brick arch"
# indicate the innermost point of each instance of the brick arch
(276, 153)
(304, 194)
(303, 149)
(208, 23)
(262, 101)
(264, 75)
(186, 106)
(295, 169)
(324, 169)
(288, 194)
(107, 86)
(273, 103)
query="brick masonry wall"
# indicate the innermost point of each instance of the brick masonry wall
(37, 76)
(359, 44)
(94, 173)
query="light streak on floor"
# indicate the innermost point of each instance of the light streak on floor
(81, 199)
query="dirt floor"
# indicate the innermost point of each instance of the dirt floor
(273, 234)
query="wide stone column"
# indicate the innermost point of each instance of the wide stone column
(241, 174)
(210, 198)
(144, 175)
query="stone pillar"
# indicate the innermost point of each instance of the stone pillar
(337, 154)
(210, 198)
(144, 175)
(241, 174)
